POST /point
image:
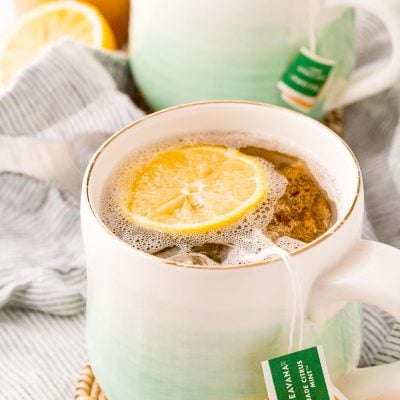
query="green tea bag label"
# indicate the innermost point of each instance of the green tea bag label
(302, 375)
(304, 79)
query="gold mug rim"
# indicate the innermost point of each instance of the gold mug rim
(333, 229)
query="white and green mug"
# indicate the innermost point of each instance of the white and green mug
(189, 50)
(160, 330)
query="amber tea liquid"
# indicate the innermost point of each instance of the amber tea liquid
(298, 208)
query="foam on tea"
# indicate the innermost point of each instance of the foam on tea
(226, 246)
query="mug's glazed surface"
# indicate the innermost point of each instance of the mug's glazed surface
(190, 51)
(135, 353)
(159, 330)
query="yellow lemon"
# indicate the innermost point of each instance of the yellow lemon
(22, 6)
(48, 23)
(117, 14)
(194, 189)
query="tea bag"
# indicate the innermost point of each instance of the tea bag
(303, 212)
(186, 256)
(301, 374)
(250, 248)
(307, 74)
(257, 246)
(193, 259)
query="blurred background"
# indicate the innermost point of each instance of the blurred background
(115, 11)
(8, 12)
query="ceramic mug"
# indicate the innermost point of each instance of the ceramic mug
(189, 50)
(160, 330)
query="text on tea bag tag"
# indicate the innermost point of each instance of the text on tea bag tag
(300, 375)
(307, 74)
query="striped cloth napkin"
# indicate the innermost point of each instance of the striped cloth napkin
(51, 120)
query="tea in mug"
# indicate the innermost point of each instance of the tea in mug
(213, 198)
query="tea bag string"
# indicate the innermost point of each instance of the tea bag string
(313, 7)
(297, 306)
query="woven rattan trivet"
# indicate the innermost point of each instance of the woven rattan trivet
(335, 121)
(87, 387)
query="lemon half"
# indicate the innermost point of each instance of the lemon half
(48, 23)
(195, 189)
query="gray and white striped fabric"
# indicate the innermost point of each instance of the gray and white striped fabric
(51, 120)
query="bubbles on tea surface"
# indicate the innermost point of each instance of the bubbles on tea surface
(289, 244)
(250, 248)
(236, 241)
(115, 216)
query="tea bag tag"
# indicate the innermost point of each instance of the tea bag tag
(304, 80)
(308, 73)
(301, 375)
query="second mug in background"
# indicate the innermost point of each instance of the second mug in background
(183, 51)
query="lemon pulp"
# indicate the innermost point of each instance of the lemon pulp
(45, 24)
(194, 189)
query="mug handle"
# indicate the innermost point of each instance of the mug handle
(363, 85)
(370, 274)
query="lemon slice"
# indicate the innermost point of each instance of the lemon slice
(48, 23)
(194, 189)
